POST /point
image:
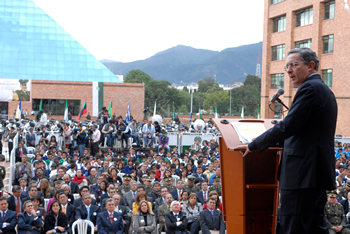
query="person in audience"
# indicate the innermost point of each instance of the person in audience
(53, 199)
(79, 201)
(184, 197)
(164, 209)
(175, 220)
(141, 196)
(8, 218)
(80, 179)
(123, 210)
(29, 221)
(55, 221)
(114, 178)
(144, 219)
(218, 204)
(87, 211)
(66, 190)
(192, 210)
(110, 221)
(74, 187)
(16, 200)
(211, 218)
(102, 189)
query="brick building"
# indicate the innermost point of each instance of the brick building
(323, 26)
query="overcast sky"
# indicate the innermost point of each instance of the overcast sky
(129, 30)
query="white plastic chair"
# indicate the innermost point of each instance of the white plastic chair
(30, 150)
(83, 226)
(46, 201)
(76, 195)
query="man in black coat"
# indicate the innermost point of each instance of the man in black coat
(175, 220)
(68, 209)
(79, 201)
(74, 187)
(20, 151)
(87, 211)
(345, 204)
(13, 199)
(306, 168)
(211, 218)
(10, 218)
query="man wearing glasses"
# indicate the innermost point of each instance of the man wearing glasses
(306, 168)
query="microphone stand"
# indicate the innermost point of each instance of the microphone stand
(281, 102)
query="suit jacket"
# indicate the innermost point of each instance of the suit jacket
(81, 213)
(79, 202)
(18, 153)
(49, 223)
(29, 171)
(74, 187)
(93, 188)
(345, 204)
(209, 222)
(105, 226)
(139, 221)
(201, 197)
(170, 222)
(162, 210)
(28, 139)
(70, 212)
(42, 202)
(10, 217)
(103, 203)
(200, 180)
(308, 133)
(26, 223)
(124, 211)
(26, 194)
(128, 198)
(12, 202)
(175, 194)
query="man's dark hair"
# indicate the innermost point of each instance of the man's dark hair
(141, 186)
(211, 198)
(307, 56)
(4, 199)
(16, 188)
(36, 197)
(62, 194)
(81, 189)
(73, 165)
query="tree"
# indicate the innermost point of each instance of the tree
(219, 99)
(137, 76)
(185, 89)
(206, 83)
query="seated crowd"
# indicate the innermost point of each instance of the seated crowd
(137, 191)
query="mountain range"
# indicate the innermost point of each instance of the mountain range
(187, 64)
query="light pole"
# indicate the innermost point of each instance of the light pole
(230, 101)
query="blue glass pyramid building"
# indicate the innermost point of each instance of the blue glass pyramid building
(34, 46)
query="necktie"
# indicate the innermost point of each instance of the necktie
(168, 208)
(179, 195)
(21, 152)
(88, 213)
(205, 195)
(64, 209)
(111, 217)
(133, 195)
(212, 214)
(22, 189)
(3, 217)
(18, 206)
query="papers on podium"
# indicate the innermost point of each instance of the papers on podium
(248, 131)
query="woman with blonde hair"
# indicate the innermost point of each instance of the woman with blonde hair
(144, 220)
(46, 189)
(141, 196)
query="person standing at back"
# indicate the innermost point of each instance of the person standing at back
(306, 168)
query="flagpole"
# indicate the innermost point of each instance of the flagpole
(230, 101)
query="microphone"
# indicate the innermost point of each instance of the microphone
(276, 96)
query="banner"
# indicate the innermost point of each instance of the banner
(15, 90)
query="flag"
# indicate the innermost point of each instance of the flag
(127, 118)
(18, 111)
(216, 112)
(41, 105)
(82, 112)
(66, 112)
(200, 115)
(110, 109)
(242, 113)
(155, 108)
(174, 112)
(258, 113)
(190, 117)
(282, 117)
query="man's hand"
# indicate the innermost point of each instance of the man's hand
(95, 229)
(60, 228)
(245, 147)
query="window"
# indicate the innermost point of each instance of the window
(305, 43)
(277, 81)
(328, 44)
(304, 17)
(279, 24)
(57, 106)
(278, 52)
(329, 10)
(327, 75)
(276, 1)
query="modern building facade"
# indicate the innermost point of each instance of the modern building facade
(34, 47)
(323, 26)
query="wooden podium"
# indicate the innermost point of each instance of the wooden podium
(250, 191)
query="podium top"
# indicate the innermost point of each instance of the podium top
(230, 135)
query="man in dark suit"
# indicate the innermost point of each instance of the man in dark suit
(74, 187)
(308, 156)
(30, 138)
(20, 151)
(29, 221)
(123, 210)
(110, 221)
(68, 209)
(8, 218)
(32, 192)
(162, 211)
(175, 220)
(39, 175)
(178, 191)
(15, 198)
(141, 188)
(87, 211)
(345, 204)
(200, 177)
(161, 201)
(211, 218)
(31, 184)
(204, 193)
(79, 201)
